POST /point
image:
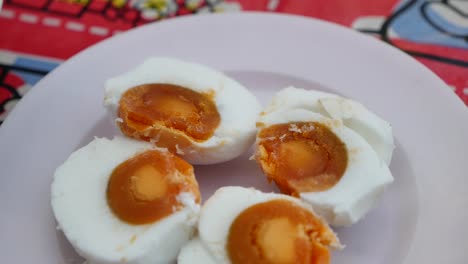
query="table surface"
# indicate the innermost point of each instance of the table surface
(37, 35)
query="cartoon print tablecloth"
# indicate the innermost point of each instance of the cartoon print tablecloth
(37, 35)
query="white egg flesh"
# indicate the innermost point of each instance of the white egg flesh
(194, 252)
(192, 110)
(320, 159)
(125, 201)
(241, 225)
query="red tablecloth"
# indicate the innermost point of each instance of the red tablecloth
(36, 35)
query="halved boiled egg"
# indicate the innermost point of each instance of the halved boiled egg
(125, 201)
(376, 131)
(194, 111)
(240, 225)
(320, 159)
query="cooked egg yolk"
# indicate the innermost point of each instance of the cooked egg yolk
(168, 114)
(144, 188)
(278, 232)
(302, 156)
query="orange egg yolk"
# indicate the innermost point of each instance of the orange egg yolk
(279, 232)
(144, 188)
(301, 156)
(168, 114)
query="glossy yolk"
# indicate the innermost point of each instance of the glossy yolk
(144, 188)
(279, 232)
(168, 114)
(301, 157)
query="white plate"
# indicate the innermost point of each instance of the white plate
(423, 216)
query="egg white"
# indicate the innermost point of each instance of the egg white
(221, 210)
(80, 206)
(376, 131)
(194, 252)
(237, 106)
(363, 182)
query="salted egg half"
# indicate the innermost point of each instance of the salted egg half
(125, 201)
(311, 154)
(242, 225)
(195, 111)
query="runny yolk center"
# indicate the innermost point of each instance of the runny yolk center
(278, 232)
(302, 156)
(168, 113)
(144, 188)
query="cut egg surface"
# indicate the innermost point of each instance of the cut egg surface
(242, 225)
(125, 201)
(320, 159)
(376, 131)
(194, 111)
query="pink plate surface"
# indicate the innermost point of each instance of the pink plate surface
(423, 216)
